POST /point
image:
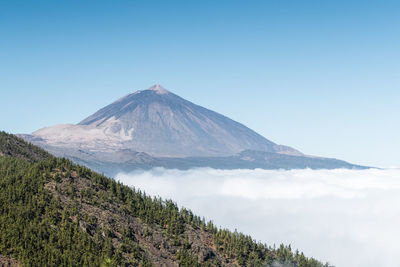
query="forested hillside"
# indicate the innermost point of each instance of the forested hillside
(56, 213)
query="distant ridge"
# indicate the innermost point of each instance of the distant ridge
(155, 127)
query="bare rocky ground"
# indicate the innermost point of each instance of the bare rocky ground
(8, 262)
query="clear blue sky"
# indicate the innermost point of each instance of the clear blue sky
(321, 76)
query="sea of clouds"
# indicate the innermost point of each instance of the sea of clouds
(345, 217)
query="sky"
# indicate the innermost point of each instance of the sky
(320, 76)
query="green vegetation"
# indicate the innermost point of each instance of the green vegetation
(13, 146)
(56, 213)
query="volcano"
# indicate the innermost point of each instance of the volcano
(155, 127)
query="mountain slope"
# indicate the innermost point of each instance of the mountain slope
(156, 128)
(18, 148)
(160, 123)
(56, 213)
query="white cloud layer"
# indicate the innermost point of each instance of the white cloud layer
(346, 217)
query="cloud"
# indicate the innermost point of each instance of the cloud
(346, 217)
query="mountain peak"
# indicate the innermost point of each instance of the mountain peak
(161, 124)
(158, 89)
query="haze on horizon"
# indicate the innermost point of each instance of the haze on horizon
(320, 77)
